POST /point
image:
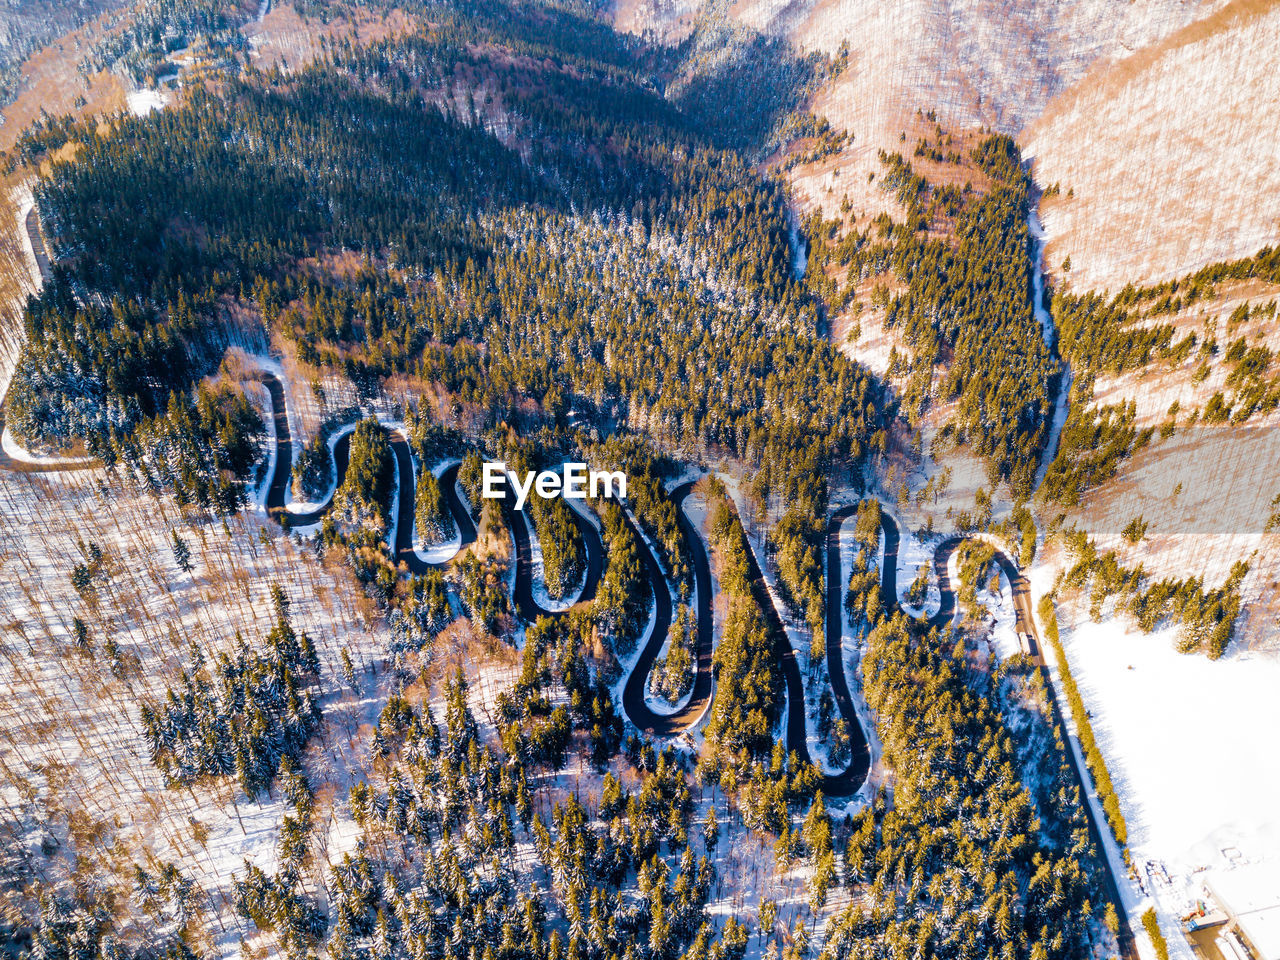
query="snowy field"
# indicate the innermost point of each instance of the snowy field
(1187, 743)
(72, 730)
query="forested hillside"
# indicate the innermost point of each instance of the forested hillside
(951, 284)
(349, 155)
(510, 233)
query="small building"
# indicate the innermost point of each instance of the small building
(1250, 897)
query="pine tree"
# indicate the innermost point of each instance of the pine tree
(80, 636)
(182, 553)
(432, 517)
(711, 829)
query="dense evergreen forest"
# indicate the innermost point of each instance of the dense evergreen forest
(149, 31)
(964, 256)
(743, 717)
(668, 308)
(246, 716)
(580, 259)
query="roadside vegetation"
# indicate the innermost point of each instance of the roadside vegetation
(1084, 729)
(571, 258)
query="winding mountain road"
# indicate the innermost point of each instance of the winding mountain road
(641, 715)
(855, 774)
(1029, 634)
(17, 465)
(278, 486)
(633, 701)
(657, 724)
(840, 785)
(528, 608)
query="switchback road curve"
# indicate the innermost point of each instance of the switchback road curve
(840, 785)
(849, 781)
(404, 550)
(522, 591)
(403, 547)
(633, 695)
(633, 701)
(1025, 625)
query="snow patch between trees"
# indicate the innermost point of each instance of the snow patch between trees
(18, 452)
(142, 102)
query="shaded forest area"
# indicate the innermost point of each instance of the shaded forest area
(576, 256)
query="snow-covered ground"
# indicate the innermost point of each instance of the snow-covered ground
(1002, 638)
(144, 100)
(24, 199)
(64, 709)
(913, 553)
(656, 701)
(690, 471)
(1188, 745)
(874, 344)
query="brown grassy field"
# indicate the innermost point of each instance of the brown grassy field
(286, 40)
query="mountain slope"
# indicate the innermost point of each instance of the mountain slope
(975, 62)
(1170, 155)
